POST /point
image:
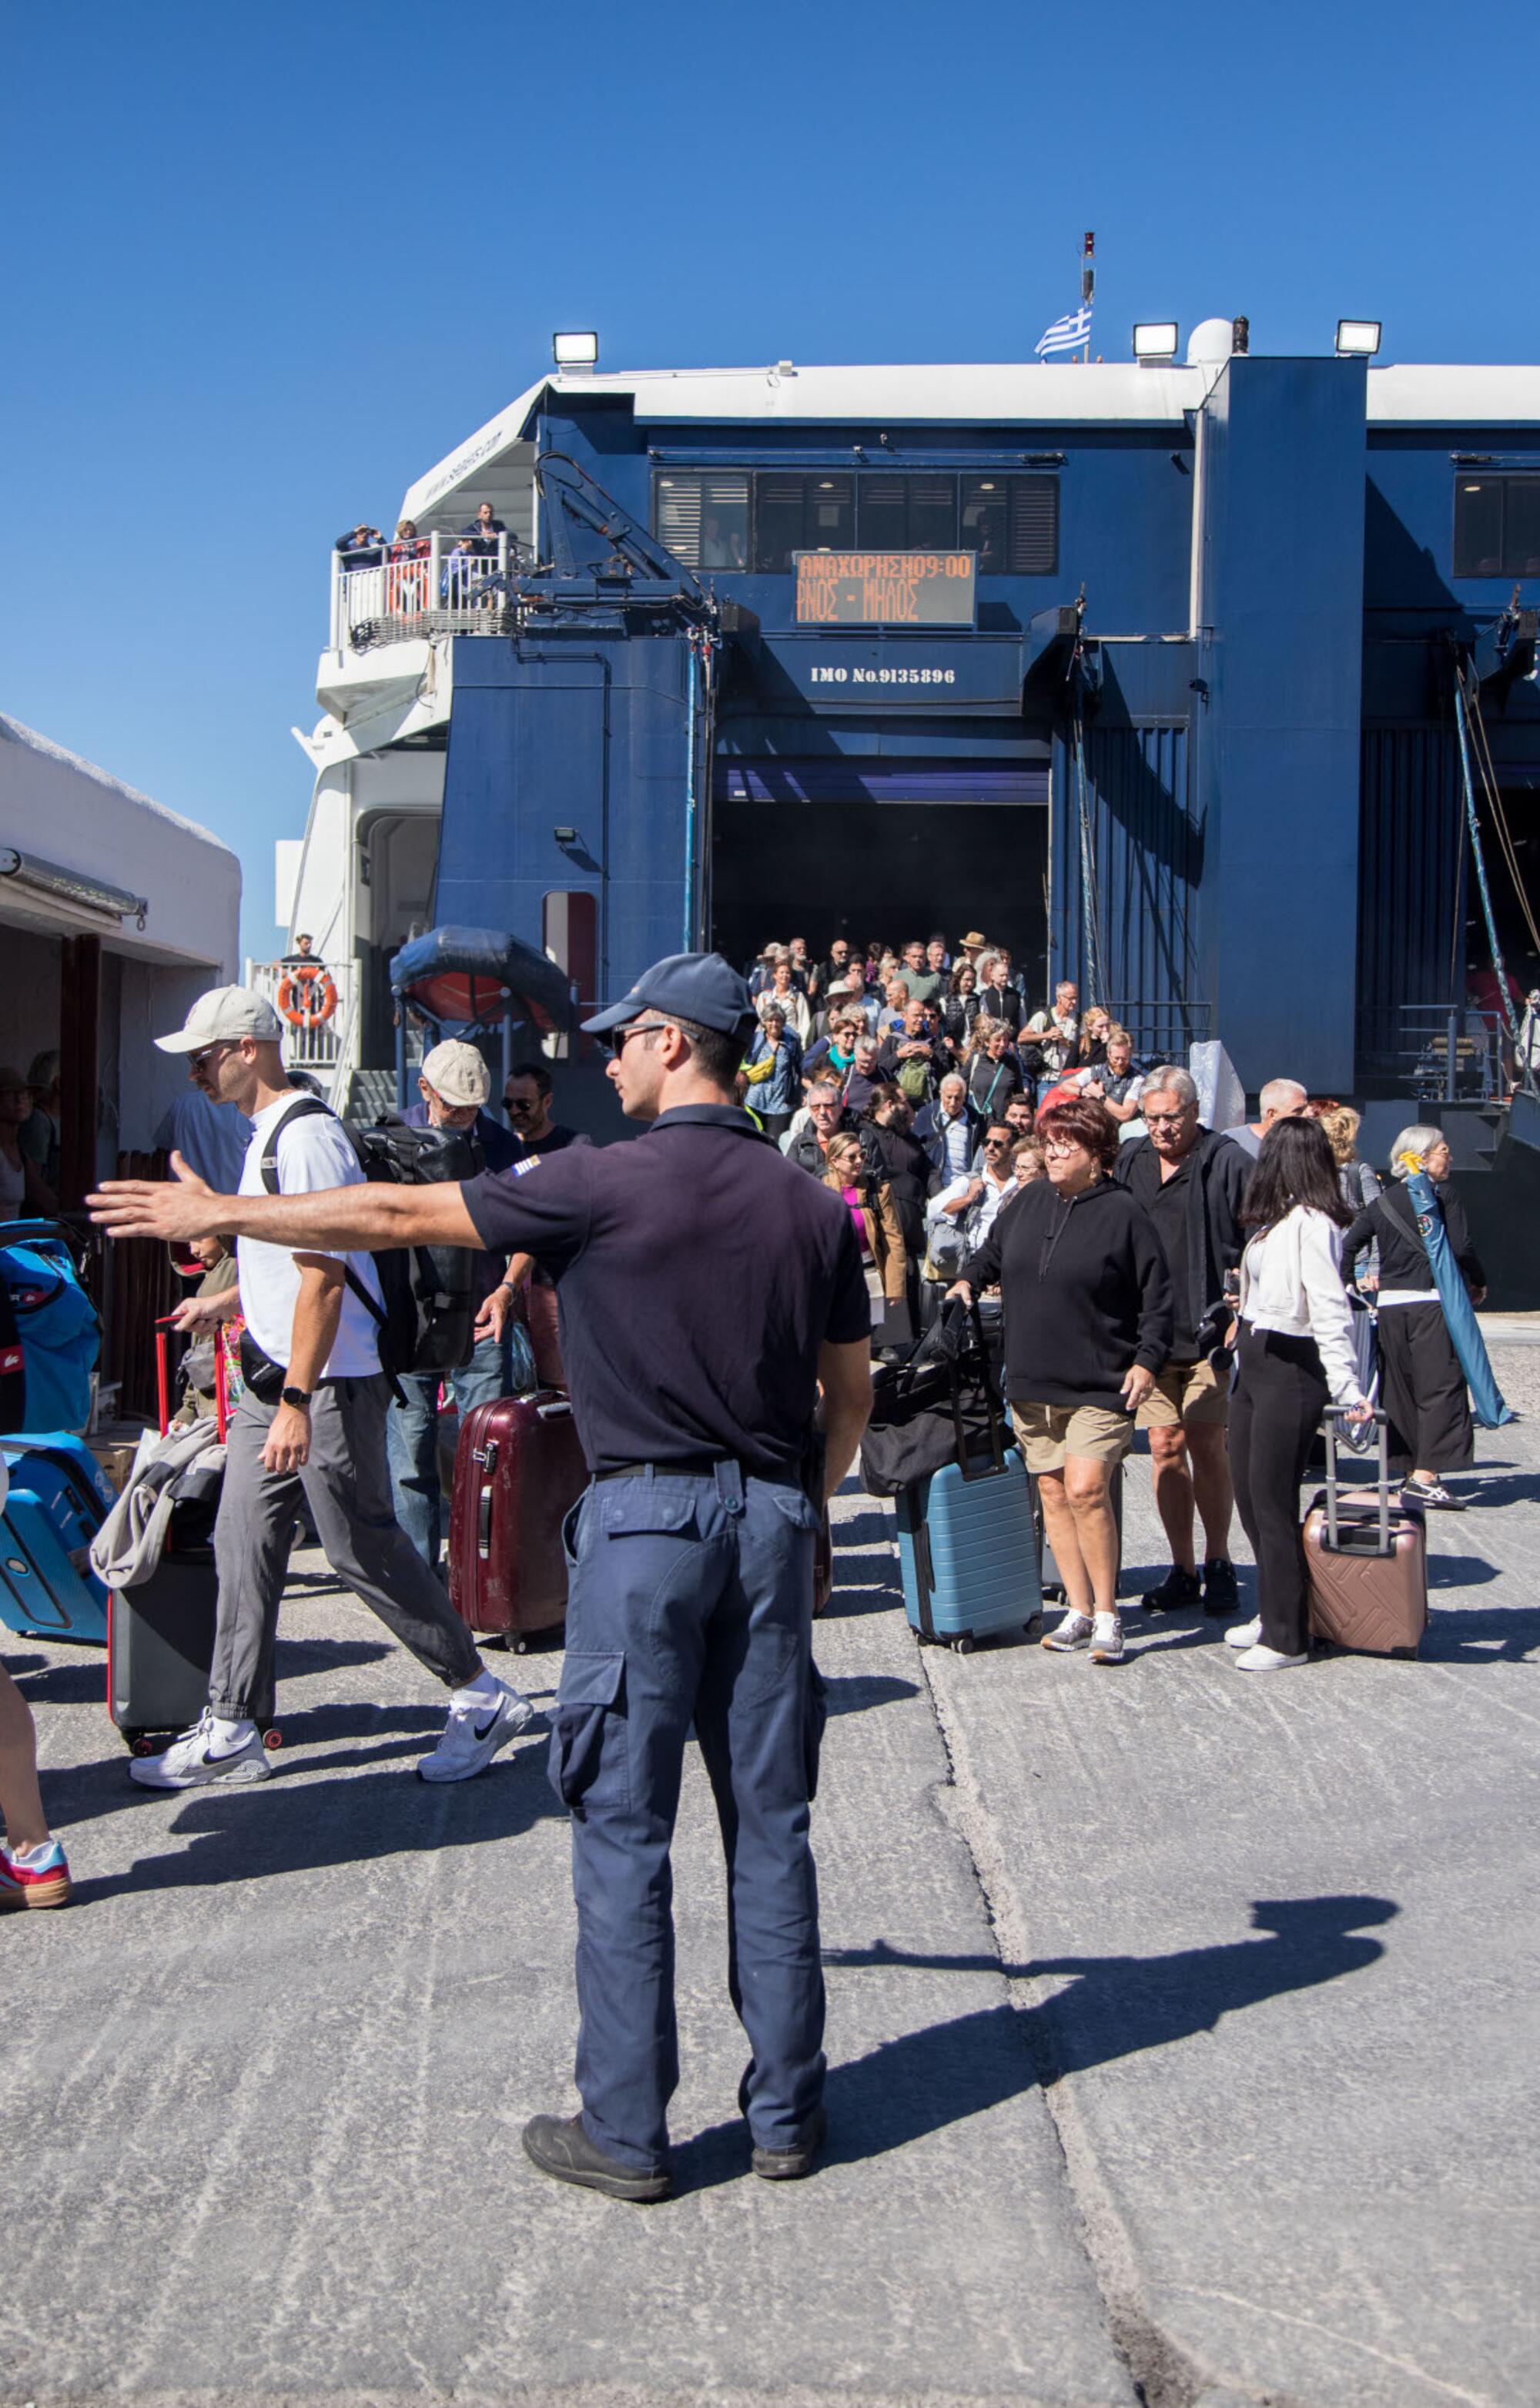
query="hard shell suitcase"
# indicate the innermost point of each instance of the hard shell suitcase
(58, 1498)
(160, 1634)
(968, 1552)
(517, 1472)
(1366, 1559)
(967, 1546)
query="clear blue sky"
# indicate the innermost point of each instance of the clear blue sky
(264, 265)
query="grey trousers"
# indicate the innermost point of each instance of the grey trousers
(346, 1484)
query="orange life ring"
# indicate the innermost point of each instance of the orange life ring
(306, 995)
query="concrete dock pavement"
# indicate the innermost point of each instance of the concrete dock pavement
(1182, 2034)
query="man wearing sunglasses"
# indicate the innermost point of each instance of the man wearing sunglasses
(710, 1290)
(312, 1420)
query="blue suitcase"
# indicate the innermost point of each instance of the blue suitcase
(59, 1497)
(969, 1548)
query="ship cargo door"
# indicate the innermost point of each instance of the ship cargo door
(825, 848)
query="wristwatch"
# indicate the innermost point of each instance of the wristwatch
(298, 1398)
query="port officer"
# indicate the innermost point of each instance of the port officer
(708, 1288)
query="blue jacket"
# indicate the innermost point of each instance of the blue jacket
(927, 1129)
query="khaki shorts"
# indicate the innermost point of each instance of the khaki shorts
(1186, 1392)
(1049, 1433)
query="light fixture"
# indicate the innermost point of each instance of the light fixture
(1156, 341)
(1358, 339)
(575, 351)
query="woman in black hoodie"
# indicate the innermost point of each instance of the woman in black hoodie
(1087, 1304)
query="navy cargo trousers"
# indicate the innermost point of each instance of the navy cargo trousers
(689, 1601)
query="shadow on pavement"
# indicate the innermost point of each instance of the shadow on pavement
(1483, 1635)
(250, 1835)
(1114, 2007)
(1517, 1488)
(854, 1693)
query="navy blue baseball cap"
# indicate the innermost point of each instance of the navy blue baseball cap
(691, 986)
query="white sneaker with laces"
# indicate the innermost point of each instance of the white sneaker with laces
(1244, 1634)
(192, 1762)
(1107, 1639)
(1073, 1632)
(473, 1735)
(1267, 1659)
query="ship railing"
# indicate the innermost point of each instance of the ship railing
(1163, 1029)
(444, 589)
(1459, 1053)
(311, 1043)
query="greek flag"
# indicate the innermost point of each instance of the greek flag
(1066, 334)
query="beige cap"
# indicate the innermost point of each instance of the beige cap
(457, 1073)
(225, 1012)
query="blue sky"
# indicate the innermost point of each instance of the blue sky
(265, 267)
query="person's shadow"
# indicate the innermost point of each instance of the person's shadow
(1114, 2007)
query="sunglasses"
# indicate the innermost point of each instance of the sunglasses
(622, 1037)
(207, 1052)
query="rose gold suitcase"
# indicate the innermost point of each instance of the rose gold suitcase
(1366, 1558)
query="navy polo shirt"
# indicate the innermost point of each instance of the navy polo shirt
(698, 1273)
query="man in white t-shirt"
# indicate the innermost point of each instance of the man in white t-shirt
(961, 1217)
(312, 1420)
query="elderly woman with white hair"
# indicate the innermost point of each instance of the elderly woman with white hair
(1423, 1386)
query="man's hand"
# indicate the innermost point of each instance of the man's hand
(492, 1317)
(1137, 1383)
(198, 1315)
(184, 1208)
(288, 1445)
(959, 1290)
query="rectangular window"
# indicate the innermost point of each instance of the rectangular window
(908, 513)
(1497, 527)
(1012, 522)
(703, 517)
(795, 514)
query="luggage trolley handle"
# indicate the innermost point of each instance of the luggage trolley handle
(1336, 1414)
(162, 1377)
(994, 1417)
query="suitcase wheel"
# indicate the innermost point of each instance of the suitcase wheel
(139, 1743)
(517, 1643)
(272, 1738)
(963, 1643)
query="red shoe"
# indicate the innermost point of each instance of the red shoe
(44, 1883)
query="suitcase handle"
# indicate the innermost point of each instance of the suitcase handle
(1336, 1413)
(560, 1406)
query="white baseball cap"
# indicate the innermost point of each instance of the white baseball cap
(457, 1073)
(225, 1012)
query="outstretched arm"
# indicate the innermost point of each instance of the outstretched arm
(329, 1220)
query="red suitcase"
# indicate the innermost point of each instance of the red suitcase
(1366, 1558)
(517, 1472)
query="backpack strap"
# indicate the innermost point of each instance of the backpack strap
(306, 1109)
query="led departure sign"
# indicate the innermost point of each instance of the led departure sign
(886, 588)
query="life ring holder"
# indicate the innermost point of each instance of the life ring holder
(306, 995)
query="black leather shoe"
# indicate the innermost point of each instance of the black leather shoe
(796, 2163)
(1178, 1591)
(561, 2148)
(1220, 1593)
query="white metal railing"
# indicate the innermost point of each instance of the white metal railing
(431, 590)
(320, 1011)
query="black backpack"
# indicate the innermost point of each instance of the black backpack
(429, 1309)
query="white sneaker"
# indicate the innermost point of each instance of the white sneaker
(1267, 1659)
(474, 1734)
(1107, 1639)
(1074, 1631)
(1244, 1634)
(192, 1761)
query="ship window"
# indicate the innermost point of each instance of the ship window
(703, 519)
(1497, 527)
(1012, 522)
(908, 513)
(792, 515)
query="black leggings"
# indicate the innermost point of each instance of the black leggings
(1274, 1416)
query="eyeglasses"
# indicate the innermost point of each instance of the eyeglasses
(637, 1029)
(996, 1144)
(206, 1053)
(517, 1104)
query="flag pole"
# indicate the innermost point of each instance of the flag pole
(1087, 283)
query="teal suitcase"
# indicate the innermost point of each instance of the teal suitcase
(968, 1549)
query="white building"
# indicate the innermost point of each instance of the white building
(114, 913)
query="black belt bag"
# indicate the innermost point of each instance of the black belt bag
(266, 1379)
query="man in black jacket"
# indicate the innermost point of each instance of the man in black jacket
(827, 1117)
(1190, 1181)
